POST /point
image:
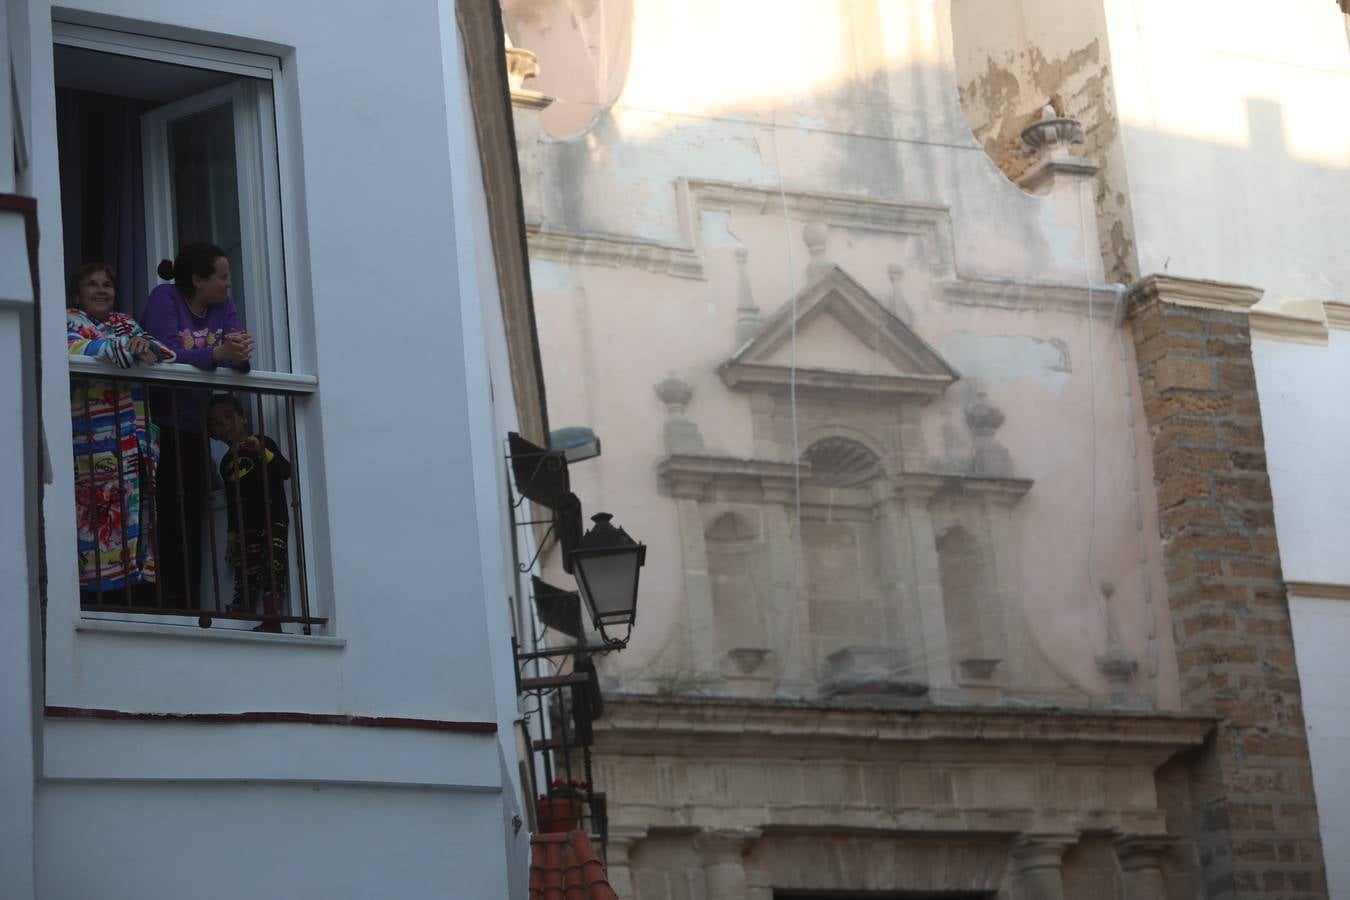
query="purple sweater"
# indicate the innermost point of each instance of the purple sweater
(167, 317)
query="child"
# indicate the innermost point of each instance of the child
(254, 472)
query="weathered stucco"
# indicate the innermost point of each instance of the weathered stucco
(1013, 57)
(695, 209)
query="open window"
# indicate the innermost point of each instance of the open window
(159, 149)
(163, 144)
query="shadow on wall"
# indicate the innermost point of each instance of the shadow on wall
(1252, 215)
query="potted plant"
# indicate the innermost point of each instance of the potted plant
(560, 808)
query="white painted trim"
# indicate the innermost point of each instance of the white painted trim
(179, 53)
(188, 629)
(179, 373)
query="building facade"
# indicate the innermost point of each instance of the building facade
(935, 351)
(357, 171)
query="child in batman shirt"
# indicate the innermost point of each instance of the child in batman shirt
(257, 545)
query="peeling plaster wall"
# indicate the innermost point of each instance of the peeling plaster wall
(1013, 57)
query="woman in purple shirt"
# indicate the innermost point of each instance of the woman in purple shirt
(196, 318)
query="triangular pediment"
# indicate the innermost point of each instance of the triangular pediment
(835, 335)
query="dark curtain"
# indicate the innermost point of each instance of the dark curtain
(102, 188)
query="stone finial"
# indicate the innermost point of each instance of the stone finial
(815, 235)
(522, 65)
(1052, 134)
(675, 393)
(682, 435)
(1048, 140)
(899, 306)
(984, 420)
(747, 313)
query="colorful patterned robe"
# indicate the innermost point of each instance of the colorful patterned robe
(116, 451)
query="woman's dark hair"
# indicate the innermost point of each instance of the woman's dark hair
(87, 270)
(192, 259)
(231, 399)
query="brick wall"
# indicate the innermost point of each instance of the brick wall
(1255, 816)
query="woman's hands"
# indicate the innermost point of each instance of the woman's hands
(139, 347)
(235, 347)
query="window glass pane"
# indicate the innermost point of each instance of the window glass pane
(206, 189)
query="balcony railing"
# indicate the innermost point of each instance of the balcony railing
(198, 530)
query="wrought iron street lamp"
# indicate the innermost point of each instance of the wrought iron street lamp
(606, 564)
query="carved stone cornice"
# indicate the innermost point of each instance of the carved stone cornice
(686, 259)
(699, 727)
(925, 485)
(917, 369)
(1195, 292)
(1030, 296)
(708, 477)
(782, 378)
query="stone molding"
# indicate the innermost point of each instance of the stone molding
(931, 222)
(614, 251)
(708, 477)
(1318, 590)
(1098, 300)
(644, 724)
(1297, 321)
(721, 845)
(1194, 292)
(883, 864)
(1338, 314)
(1048, 170)
(833, 292)
(1279, 326)
(712, 477)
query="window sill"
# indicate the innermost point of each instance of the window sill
(193, 632)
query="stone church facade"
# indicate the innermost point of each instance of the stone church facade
(942, 586)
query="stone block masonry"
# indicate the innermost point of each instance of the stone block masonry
(1255, 815)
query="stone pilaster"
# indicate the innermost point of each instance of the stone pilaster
(932, 622)
(1141, 858)
(618, 868)
(1038, 866)
(1254, 811)
(722, 851)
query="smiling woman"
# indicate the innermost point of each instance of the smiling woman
(115, 446)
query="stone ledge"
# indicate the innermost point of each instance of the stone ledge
(700, 726)
(1193, 292)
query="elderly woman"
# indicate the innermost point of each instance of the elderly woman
(114, 442)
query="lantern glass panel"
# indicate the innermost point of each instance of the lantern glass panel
(609, 581)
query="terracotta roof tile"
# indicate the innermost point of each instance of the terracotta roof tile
(565, 867)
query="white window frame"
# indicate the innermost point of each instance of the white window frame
(274, 209)
(279, 212)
